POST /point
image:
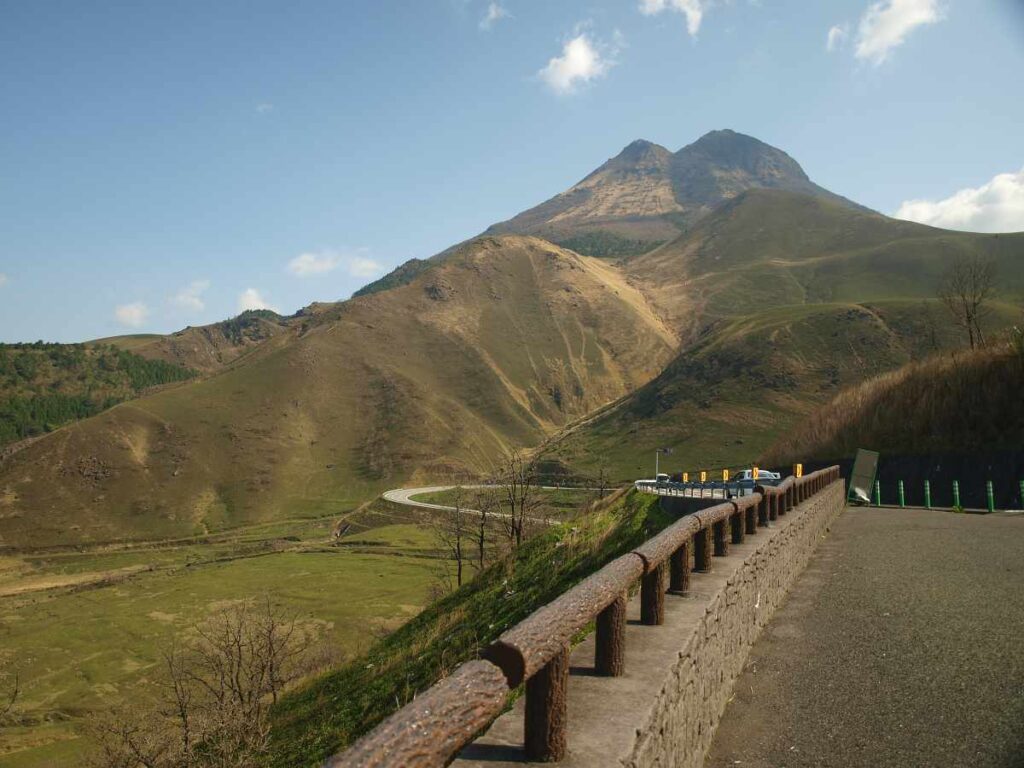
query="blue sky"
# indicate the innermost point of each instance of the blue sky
(164, 164)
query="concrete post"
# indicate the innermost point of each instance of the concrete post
(679, 571)
(752, 512)
(736, 527)
(702, 550)
(721, 542)
(652, 596)
(546, 715)
(610, 640)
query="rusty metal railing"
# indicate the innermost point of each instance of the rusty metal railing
(430, 731)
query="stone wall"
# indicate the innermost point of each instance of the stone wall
(698, 686)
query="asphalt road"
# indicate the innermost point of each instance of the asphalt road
(902, 644)
(404, 496)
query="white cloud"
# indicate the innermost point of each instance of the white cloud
(886, 24)
(3, 279)
(997, 206)
(356, 262)
(495, 13)
(307, 264)
(693, 10)
(837, 37)
(190, 297)
(582, 61)
(133, 315)
(361, 266)
(250, 298)
(264, 107)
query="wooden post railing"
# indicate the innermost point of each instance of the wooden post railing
(431, 730)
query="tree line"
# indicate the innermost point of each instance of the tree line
(44, 386)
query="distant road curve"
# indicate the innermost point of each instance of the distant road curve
(404, 496)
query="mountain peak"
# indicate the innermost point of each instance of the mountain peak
(729, 149)
(646, 195)
(641, 150)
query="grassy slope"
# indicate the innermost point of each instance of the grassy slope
(87, 628)
(774, 248)
(333, 711)
(946, 403)
(498, 345)
(208, 348)
(786, 300)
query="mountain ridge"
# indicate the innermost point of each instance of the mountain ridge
(647, 195)
(498, 345)
(741, 323)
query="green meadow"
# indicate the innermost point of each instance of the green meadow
(85, 630)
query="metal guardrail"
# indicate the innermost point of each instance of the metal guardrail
(430, 732)
(712, 489)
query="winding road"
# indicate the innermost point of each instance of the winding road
(404, 496)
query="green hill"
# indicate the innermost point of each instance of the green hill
(783, 299)
(776, 248)
(209, 348)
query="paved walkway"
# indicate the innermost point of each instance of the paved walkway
(901, 645)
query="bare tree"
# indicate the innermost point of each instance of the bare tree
(965, 289)
(455, 531)
(485, 503)
(213, 709)
(602, 481)
(517, 481)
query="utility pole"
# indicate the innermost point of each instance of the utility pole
(657, 455)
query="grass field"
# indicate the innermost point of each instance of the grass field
(87, 628)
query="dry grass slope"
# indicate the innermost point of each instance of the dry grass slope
(947, 403)
(497, 345)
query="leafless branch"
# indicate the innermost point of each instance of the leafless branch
(966, 288)
(216, 695)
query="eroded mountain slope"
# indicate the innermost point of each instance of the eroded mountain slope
(496, 346)
(781, 299)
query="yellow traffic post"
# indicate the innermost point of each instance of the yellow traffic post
(755, 473)
(798, 470)
(725, 475)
